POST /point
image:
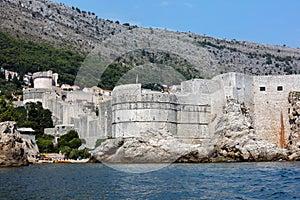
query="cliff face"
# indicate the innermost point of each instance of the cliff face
(12, 152)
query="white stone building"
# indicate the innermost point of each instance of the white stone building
(191, 113)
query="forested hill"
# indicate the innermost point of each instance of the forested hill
(56, 26)
(25, 56)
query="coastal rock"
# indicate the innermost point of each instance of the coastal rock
(293, 144)
(235, 139)
(150, 147)
(12, 152)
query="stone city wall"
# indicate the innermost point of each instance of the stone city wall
(88, 127)
(191, 114)
(270, 103)
(194, 110)
(134, 111)
(105, 118)
(33, 95)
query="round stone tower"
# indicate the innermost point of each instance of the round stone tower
(135, 111)
(43, 79)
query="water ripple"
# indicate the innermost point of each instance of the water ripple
(277, 180)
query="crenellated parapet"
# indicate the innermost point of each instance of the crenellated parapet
(45, 79)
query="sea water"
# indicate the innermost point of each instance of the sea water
(268, 180)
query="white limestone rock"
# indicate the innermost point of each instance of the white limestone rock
(150, 147)
(12, 152)
(235, 139)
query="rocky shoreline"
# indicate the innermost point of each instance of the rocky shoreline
(234, 141)
(12, 151)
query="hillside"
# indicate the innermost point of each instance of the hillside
(124, 47)
(24, 56)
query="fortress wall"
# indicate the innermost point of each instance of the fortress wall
(105, 118)
(269, 102)
(217, 104)
(140, 118)
(194, 109)
(33, 95)
(199, 86)
(232, 85)
(61, 110)
(93, 134)
(79, 96)
(88, 127)
(237, 86)
(134, 111)
(136, 127)
(124, 92)
(81, 124)
(192, 121)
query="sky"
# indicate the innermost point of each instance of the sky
(274, 22)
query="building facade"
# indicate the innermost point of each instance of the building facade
(190, 114)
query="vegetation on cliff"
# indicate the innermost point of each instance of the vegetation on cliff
(32, 115)
(25, 56)
(10, 89)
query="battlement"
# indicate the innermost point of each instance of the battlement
(45, 79)
(46, 74)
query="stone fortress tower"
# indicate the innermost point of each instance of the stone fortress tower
(190, 115)
(45, 79)
(43, 82)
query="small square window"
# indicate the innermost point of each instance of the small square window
(279, 88)
(262, 88)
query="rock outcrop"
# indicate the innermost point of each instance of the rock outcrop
(12, 152)
(294, 118)
(150, 147)
(234, 140)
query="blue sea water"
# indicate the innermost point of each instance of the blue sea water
(271, 180)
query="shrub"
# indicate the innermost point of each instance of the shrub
(45, 145)
(66, 150)
(69, 136)
(75, 143)
(74, 154)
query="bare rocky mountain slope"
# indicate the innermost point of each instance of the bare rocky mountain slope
(71, 28)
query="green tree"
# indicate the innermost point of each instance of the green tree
(2, 74)
(66, 150)
(74, 154)
(7, 111)
(75, 143)
(36, 113)
(16, 81)
(69, 136)
(45, 145)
